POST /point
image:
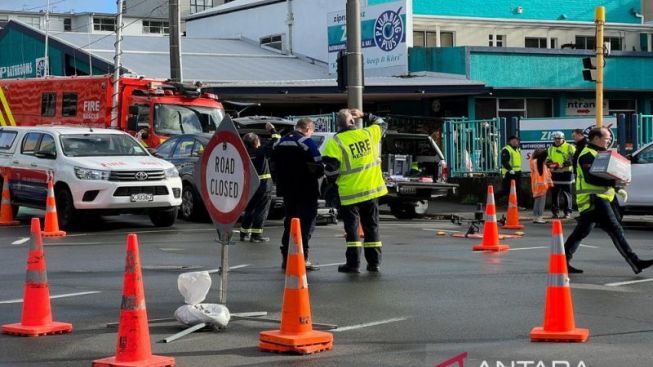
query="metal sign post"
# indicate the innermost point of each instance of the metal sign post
(228, 180)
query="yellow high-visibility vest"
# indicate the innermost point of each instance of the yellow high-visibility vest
(360, 178)
(515, 159)
(584, 189)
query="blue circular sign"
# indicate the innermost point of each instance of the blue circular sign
(388, 30)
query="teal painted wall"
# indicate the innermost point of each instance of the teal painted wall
(444, 60)
(557, 71)
(617, 11)
(26, 49)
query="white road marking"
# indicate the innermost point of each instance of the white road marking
(20, 300)
(375, 323)
(170, 249)
(618, 284)
(588, 246)
(526, 248)
(230, 268)
(20, 241)
(326, 265)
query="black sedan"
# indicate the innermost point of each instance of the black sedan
(184, 151)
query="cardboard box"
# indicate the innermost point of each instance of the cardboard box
(611, 165)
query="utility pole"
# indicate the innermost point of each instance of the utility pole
(354, 56)
(600, 22)
(116, 68)
(175, 39)
(46, 66)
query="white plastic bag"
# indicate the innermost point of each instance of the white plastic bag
(194, 287)
(210, 313)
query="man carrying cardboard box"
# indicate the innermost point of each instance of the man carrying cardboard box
(593, 196)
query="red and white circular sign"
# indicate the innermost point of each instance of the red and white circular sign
(225, 177)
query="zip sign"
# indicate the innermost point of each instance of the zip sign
(228, 178)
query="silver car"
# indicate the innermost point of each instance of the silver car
(640, 196)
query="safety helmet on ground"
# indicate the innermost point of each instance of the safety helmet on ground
(558, 134)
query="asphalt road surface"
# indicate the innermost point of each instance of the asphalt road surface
(433, 300)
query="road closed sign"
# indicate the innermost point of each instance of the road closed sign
(228, 178)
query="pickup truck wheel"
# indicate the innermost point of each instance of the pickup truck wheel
(409, 210)
(191, 205)
(66, 212)
(164, 217)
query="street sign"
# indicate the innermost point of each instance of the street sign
(228, 179)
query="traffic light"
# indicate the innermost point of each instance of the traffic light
(341, 62)
(589, 68)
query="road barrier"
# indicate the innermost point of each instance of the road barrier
(51, 220)
(36, 318)
(6, 213)
(296, 333)
(490, 228)
(559, 324)
(512, 221)
(133, 346)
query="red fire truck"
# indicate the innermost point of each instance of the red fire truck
(149, 109)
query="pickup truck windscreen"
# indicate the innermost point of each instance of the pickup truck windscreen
(172, 119)
(95, 145)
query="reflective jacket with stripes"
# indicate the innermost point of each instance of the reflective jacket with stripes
(353, 158)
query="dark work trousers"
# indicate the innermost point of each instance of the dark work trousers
(505, 187)
(367, 214)
(306, 210)
(602, 214)
(256, 212)
(557, 191)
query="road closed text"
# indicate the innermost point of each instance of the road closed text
(224, 166)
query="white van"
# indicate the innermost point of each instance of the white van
(99, 171)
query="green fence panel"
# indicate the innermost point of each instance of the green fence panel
(472, 146)
(645, 130)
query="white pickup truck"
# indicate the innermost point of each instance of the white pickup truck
(95, 171)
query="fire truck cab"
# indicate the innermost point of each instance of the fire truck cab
(151, 110)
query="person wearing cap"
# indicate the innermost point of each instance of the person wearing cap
(594, 196)
(511, 169)
(560, 162)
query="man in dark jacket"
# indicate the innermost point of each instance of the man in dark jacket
(580, 142)
(297, 166)
(593, 196)
(258, 207)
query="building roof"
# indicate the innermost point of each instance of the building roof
(233, 63)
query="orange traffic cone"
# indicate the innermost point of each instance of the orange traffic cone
(512, 221)
(490, 229)
(36, 319)
(559, 324)
(133, 346)
(51, 221)
(296, 333)
(6, 214)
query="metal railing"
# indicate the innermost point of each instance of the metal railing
(644, 130)
(472, 146)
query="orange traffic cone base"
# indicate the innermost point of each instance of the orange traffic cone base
(302, 343)
(496, 248)
(153, 361)
(53, 234)
(577, 335)
(50, 329)
(513, 226)
(9, 223)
